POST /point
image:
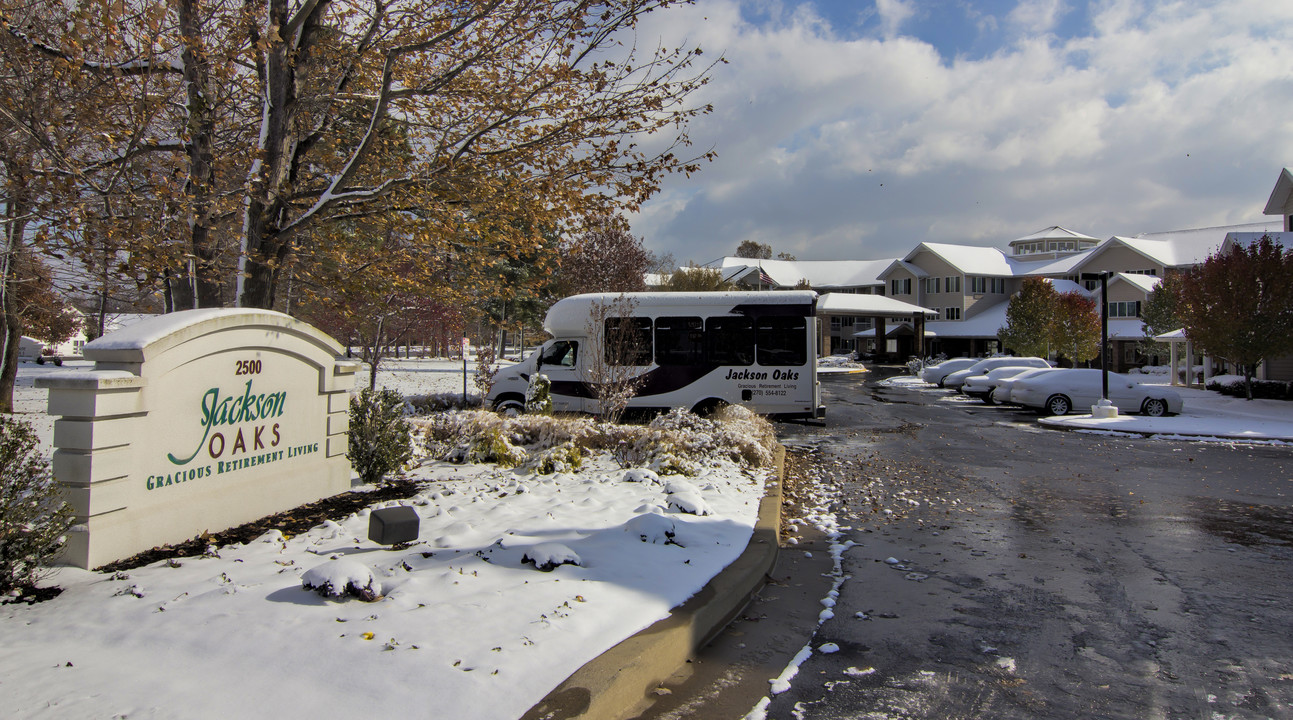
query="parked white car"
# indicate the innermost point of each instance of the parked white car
(1061, 391)
(934, 374)
(1002, 394)
(957, 379)
(982, 386)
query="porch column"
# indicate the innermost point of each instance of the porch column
(1189, 364)
(1172, 355)
(881, 344)
(918, 321)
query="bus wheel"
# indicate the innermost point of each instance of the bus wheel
(708, 407)
(509, 406)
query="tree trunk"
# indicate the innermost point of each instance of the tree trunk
(264, 248)
(12, 338)
(15, 230)
(201, 155)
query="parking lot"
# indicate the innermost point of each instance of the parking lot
(1007, 570)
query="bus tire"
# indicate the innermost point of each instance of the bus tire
(510, 405)
(709, 406)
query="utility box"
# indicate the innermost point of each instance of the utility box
(393, 525)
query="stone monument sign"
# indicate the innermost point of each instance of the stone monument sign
(197, 421)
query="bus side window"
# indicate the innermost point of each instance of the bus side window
(561, 353)
(679, 341)
(782, 340)
(627, 341)
(730, 340)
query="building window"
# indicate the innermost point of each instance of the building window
(1150, 271)
(953, 283)
(900, 286)
(933, 285)
(980, 285)
(835, 323)
(847, 321)
(952, 313)
(1126, 309)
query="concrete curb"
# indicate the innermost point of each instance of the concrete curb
(1070, 427)
(617, 683)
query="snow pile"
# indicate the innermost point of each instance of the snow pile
(651, 527)
(341, 577)
(549, 556)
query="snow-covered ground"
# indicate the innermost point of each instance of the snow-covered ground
(1205, 414)
(465, 627)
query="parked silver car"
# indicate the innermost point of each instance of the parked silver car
(1059, 392)
(982, 386)
(956, 379)
(1002, 394)
(935, 373)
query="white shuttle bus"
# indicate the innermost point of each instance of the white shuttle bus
(698, 350)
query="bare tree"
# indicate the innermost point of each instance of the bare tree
(617, 372)
(606, 258)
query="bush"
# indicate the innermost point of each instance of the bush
(538, 398)
(1262, 389)
(380, 440)
(33, 516)
(678, 442)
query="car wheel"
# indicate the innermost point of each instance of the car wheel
(1058, 405)
(1154, 407)
(509, 406)
(40, 360)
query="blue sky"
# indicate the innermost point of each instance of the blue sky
(859, 129)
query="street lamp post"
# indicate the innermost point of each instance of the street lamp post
(1104, 408)
(1104, 335)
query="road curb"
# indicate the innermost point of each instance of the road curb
(1069, 427)
(617, 684)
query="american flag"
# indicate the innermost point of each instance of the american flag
(765, 278)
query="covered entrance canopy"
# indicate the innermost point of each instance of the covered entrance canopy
(877, 307)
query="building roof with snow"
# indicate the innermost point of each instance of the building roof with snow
(821, 274)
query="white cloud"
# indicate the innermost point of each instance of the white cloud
(1035, 17)
(1160, 116)
(893, 13)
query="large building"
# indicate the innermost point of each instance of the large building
(969, 287)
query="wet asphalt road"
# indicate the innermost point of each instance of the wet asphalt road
(1040, 574)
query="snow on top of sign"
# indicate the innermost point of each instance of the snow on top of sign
(146, 332)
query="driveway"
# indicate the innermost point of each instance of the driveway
(1008, 571)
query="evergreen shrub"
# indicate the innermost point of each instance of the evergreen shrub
(380, 439)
